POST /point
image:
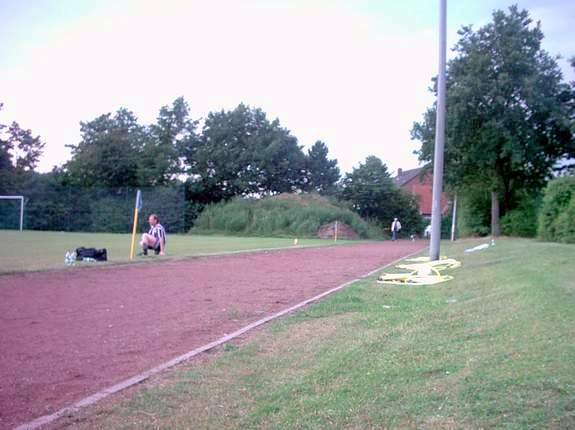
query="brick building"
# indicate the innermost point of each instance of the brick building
(412, 181)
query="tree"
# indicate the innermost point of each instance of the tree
(322, 173)
(109, 153)
(279, 159)
(240, 152)
(164, 150)
(373, 194)
(507, 111)
(19, 149)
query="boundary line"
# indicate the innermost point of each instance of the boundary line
(90, 400)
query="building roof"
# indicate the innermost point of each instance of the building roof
(404, 176)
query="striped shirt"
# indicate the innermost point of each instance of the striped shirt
(159, 233)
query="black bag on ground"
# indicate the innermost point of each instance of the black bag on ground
(96, 254)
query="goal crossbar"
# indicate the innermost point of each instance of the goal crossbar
(21, 198)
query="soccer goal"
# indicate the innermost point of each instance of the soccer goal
(21, 198)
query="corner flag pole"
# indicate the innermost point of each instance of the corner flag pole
(137, 208)
(439, 138)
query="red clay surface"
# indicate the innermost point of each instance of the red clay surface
(67, 334)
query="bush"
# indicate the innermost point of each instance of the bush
(284, 215)
(522, 221)
(557, 215)
(474, 212)
(565, 224)
(408, 214)
(446, 224)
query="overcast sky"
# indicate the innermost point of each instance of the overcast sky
(352, 73)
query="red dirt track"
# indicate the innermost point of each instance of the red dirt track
(66, 334)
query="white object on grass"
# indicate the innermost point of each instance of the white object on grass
(477, 248)
(70, 258)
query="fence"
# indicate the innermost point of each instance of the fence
(98, 209)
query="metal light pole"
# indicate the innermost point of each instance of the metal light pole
(439, 138)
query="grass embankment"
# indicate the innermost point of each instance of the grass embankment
(291, 215)
(494, 348)
(37, 250)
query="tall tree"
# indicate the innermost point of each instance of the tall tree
(109, 153)
(374, 195)
(240, 152)
(170, 137)
(280, 161)
(19, 149)
(322, 173)
(507, 111)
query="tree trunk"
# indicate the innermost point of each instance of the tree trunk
(495, 225)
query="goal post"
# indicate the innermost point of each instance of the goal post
(21, 198)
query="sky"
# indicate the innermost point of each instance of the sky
(354, 74)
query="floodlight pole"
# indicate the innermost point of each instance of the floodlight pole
(439, 138)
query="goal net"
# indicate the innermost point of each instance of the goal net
(11, 212)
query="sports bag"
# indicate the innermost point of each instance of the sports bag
(91, 253)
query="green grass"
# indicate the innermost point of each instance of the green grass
(494, 348)
(38, 250)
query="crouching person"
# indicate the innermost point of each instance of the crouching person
(155, 238)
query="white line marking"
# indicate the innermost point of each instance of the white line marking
(90, 400)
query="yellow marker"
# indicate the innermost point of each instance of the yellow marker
(135, 227)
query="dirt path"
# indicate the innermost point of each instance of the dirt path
(67, 334)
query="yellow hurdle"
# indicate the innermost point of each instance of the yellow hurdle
(421, 272)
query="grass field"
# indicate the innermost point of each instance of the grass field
(37, 250)
(494, 348)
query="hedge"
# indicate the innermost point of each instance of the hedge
(557, 214)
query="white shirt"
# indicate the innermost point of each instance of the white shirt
(158, 232)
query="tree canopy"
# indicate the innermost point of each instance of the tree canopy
(322, 173)
(109, 153)
(508, 112)
(241, 152)
(374, 195)
(20, 151)
(19, 148)
(168, 141)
